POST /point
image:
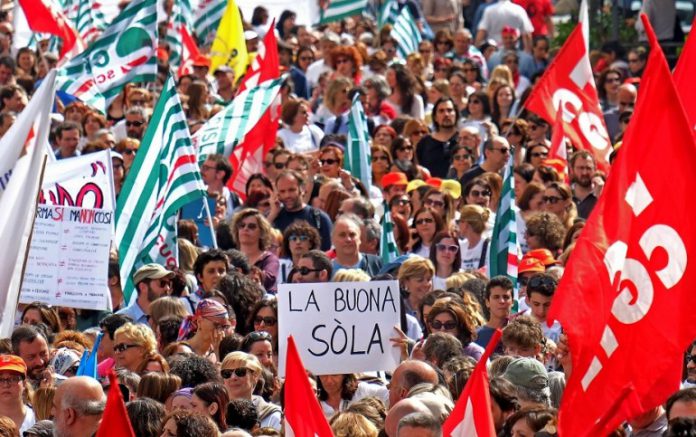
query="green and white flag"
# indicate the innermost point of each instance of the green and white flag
(406, 34)
(358, 155)
(181, 16)
(125, 52)
(388, 250)
(90, 21)
(208, 17)
(504, 248)
(163, 178)
(227, 128)
(339, 9)
(388, 14)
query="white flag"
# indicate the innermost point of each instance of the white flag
(19, 198)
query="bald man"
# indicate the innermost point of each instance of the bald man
(408, 374)
(628, 94)
(78, 406)
(400, 410)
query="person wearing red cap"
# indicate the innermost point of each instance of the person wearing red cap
(13, 374)
(501, 14)
(511, 38)
(529, 266)
(393, 185)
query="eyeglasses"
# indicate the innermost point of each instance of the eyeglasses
(401, 202)
(410, 148)
(240, 372)
(268, 321)
(267, 164)
(329, 161)
(691, 358)
(250, 226)
(207, 167)
(130, 151)
(163, 283)
(551, 199)
(461, 157)
(448, 326)
(539, 154)
(477, 193)
(304, 271)
(633, 61)
(280, 165)
(9, 381)
(503, 150)
(436, 203)
(425, 221)
(380, 158)
(122, 347)
(294, 238)
(447, 247)
(135, 123)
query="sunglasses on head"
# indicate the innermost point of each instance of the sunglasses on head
(240, 372)
(449, 325)
(268, 321)
(304, 271)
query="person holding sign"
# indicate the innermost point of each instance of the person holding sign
(346, 240)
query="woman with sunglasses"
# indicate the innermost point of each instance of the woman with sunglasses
(298, 238)
(264, 317)
(537, 152)
(449, 315)
(403, 148)
(462, 160)
(441, 203)
(240, 372)
(251, 232)
(473, 246)
(558, 199)
(331, 160)
(204, 330)
(472, 74)
(133, 345)
(381, 163)
(426, 223)
(446, 257)
(443, 43)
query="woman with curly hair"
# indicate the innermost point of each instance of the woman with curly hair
(450, 316)
(133, 344)
(298, 238)
(251, 232)
(347, 62)
(545, 231)
(182, 423)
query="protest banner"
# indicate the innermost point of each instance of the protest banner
(340, 327)
(68, 263)
(85, 181)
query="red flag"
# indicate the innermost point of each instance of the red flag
(626, 299)
(558, 155)
(473, 416)
(115, 420)
(189, 52)
(568, 83)
(247, 157)
(303, 414)
(683, 78)
(44, 16)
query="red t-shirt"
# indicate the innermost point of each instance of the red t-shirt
(538, 11)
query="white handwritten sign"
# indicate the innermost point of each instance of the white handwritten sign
(340, 327)
(68, 262)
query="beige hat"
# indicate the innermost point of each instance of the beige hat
(150, 271)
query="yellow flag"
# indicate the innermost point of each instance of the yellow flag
(229, 47)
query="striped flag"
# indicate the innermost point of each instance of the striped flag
(163, 178)
(126, 52)
(90, 21)
(339, 9)
(388, 14)
(504, 247)
(406, 34)
(388, 250)
(208, 17)
(179, 20)
(224, 131)
(358, 154)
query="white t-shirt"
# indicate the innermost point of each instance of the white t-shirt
(364, 390)
(304, 142)
(504, 13)
(471, 257)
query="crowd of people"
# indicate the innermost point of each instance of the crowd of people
(195, 352)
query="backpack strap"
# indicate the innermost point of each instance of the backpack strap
(484, 249)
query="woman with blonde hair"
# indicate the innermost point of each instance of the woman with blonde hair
(501, 75)
(351, 275)
(349, 424)
(337, 103)
(251, 232)
(188, 253)
(472, 224)
(240, 372)
(133, 344)
(416, 280)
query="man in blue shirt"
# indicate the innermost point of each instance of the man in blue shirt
(152, 281)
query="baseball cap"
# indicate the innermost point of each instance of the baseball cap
(151, 271)
(415, 184)
(454, 188)
(394, 178)
(201, 61)
(224, 69)
(530, 264)
(64, 359)
(250, 34)
(528, 373)
(13, 363)
(434, 182)
(543, 255)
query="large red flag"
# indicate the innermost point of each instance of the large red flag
(247, 157)
(115, 420)
(189, 52)
(303, 414)
(568, 83)
(684, 74)
(472, 416)
(45, 16)
(626, 300)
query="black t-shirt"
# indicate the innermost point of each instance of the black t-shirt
(313, 216)
(435, 155)
(471, 174)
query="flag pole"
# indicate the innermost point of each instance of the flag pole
(210, 222)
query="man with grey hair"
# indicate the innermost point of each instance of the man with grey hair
(496, 153)
(346, 241)
(531, 380)
(359, 206)
(78, 406)
(440, 347)
(136, 122)
(370, 234)
(419, 425)
(400, 410)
